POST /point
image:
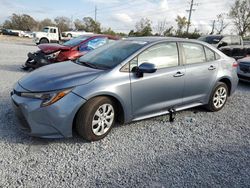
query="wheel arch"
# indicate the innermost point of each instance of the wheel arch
(119, 107)
(228, 82)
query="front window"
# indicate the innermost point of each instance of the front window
(162, 55)
(46, 30)
(111, 55)
(75, 41)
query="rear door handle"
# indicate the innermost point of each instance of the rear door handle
(179, 74)
(211, 67)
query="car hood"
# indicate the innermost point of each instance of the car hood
(58, 76)
(50, 48)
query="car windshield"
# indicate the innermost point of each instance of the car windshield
(46, 30)
(211, 39)
(76, 41)
(110, 55)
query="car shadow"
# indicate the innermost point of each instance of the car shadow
(12, 68)
(243, 86)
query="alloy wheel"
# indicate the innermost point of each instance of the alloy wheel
(103, 119)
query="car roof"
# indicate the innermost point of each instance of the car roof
(159, 39)
(97, 35)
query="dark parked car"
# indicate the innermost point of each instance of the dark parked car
(244, 69)
(219, 41)
(70, 50)
(129, 80)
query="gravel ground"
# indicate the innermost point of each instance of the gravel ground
(199, 149)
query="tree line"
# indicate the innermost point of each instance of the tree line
(239, 15)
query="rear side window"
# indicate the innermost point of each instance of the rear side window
(52, 30)
(162, 55)
(194, 53)
(210, 55)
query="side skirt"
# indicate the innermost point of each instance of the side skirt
(167, 112)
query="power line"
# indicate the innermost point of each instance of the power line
(190, 13)
(95, 12)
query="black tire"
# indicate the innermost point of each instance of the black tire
(211, 106)
(69, 35)
(86, 114)
(43, 41)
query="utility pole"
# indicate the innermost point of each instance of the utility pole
(190, 13)
(95, 12)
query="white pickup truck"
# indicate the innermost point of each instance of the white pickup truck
(48, 35)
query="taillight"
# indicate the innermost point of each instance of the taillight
(235, 64)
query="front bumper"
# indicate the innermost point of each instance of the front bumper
(54, 121)
(37, 59)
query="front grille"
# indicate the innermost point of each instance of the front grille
(244, 67)
(244, 77)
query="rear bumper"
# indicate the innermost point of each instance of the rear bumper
(54, 121)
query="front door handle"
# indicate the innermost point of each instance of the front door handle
(179, 74)
(211, 67)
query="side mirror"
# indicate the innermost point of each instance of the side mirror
(144, 68)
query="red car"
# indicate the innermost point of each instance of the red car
(70, 50)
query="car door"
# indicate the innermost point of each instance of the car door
(53, 35)
(159, 91)
(201, 69)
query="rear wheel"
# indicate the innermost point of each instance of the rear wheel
(96, 118)
(43, 41)
(218, 97)
(69, 35)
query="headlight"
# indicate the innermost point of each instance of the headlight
(48, 98)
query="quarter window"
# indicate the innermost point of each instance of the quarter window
(162, 55)
(194, 53)
(210, 55)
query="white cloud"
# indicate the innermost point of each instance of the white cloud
(164, 4)
(123, 17)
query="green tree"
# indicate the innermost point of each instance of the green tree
(63, 23)
(169, 31)
(182, 23)
(108, 31)
(79, 25)
(21, 22)
(46, 22)
(240, 13)
(143, 27)
(90, 25)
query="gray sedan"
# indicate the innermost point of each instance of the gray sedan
(125, 81)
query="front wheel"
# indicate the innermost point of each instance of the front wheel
(218, 97)
(43, 41)
(96, 118)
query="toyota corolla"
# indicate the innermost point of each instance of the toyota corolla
(125, 81)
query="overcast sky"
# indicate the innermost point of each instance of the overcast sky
(121, 15)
